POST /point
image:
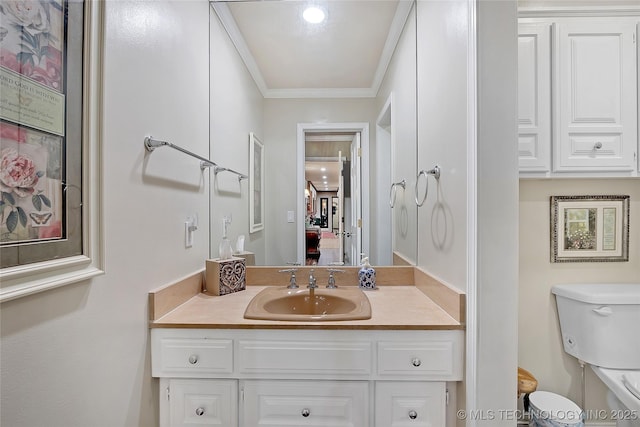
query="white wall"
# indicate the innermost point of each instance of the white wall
(399, 84)
(445, 247)
(236, 110)
(540, 343)
(497, 217)
(281, 117)
(78, 355)
(442, 138)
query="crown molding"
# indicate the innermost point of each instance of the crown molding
(578, 11)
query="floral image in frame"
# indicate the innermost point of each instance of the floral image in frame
(55, 107)
(256, 184)
(32, 40)
(30, 185)
(589, 228)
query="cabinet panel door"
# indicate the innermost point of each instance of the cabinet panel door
(203, 403)
(410, 404)
(596, 104)
(534, 97)
(305, 403)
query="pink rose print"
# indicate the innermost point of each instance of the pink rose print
(18, 173)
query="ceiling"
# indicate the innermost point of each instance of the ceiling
(345, 56)
(316, 171)
(321, 158)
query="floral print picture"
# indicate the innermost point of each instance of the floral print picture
(580, 233)
(31, 40)
(30, 184)
(590, 228)
(31, 150)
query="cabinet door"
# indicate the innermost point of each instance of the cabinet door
(202, 403)
(415, 404)
(305, 403)
(534, 97)
(595, 125)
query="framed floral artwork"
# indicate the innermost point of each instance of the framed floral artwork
(589, 228)
(50, 53)
(256, 184)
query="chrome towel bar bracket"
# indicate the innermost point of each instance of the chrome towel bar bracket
(435, 172)
(393, 191)
(217, 169)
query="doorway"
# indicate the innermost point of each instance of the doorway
(351, 210)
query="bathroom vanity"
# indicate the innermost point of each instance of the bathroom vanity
(218, 368)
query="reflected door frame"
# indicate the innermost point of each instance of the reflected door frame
(363, 128)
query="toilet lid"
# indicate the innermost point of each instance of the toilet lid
(555, 407)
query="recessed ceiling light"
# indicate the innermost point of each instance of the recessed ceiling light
(324, 176)
(313, 15)
(323, 169)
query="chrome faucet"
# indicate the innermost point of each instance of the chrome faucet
(312, 280)
(292, 279)
(331, 284)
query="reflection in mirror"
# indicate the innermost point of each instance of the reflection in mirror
(350, 76)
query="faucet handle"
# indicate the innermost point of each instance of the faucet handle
(292, 279)
(332, 280)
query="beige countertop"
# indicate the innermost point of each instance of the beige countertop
(393, 307)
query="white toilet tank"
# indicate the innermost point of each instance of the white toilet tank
(600, 323)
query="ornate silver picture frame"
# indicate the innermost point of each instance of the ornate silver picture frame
(589, 228)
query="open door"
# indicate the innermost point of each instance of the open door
(341, 210)
(355, 238)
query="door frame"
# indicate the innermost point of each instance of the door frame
(363, 128)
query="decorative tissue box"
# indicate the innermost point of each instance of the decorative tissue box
(226, 276)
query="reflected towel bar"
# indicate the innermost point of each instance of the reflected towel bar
(435, 172)
(151, 144)
(393, 190)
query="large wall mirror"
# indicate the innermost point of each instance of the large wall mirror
(331, 93)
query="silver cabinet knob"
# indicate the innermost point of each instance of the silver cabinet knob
(416, 362)
(200, 412)
(598, 145)
(413, 415)
(193, 359)
(306, 412)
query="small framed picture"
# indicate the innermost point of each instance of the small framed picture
(256, 184)
(589, 228)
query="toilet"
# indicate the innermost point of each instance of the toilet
(599, 325)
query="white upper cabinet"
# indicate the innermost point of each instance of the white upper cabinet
(534, 97)
(578, 93)
(595, 96)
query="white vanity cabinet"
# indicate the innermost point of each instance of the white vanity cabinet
(578, 96)
(198, 402)
(294, 403)
(299, 377)
(415, 404)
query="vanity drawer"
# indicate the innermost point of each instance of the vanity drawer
(305, 403)
(402, 403)
(192, 357)
(314, 359)
(195, 402)
(421, 360)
